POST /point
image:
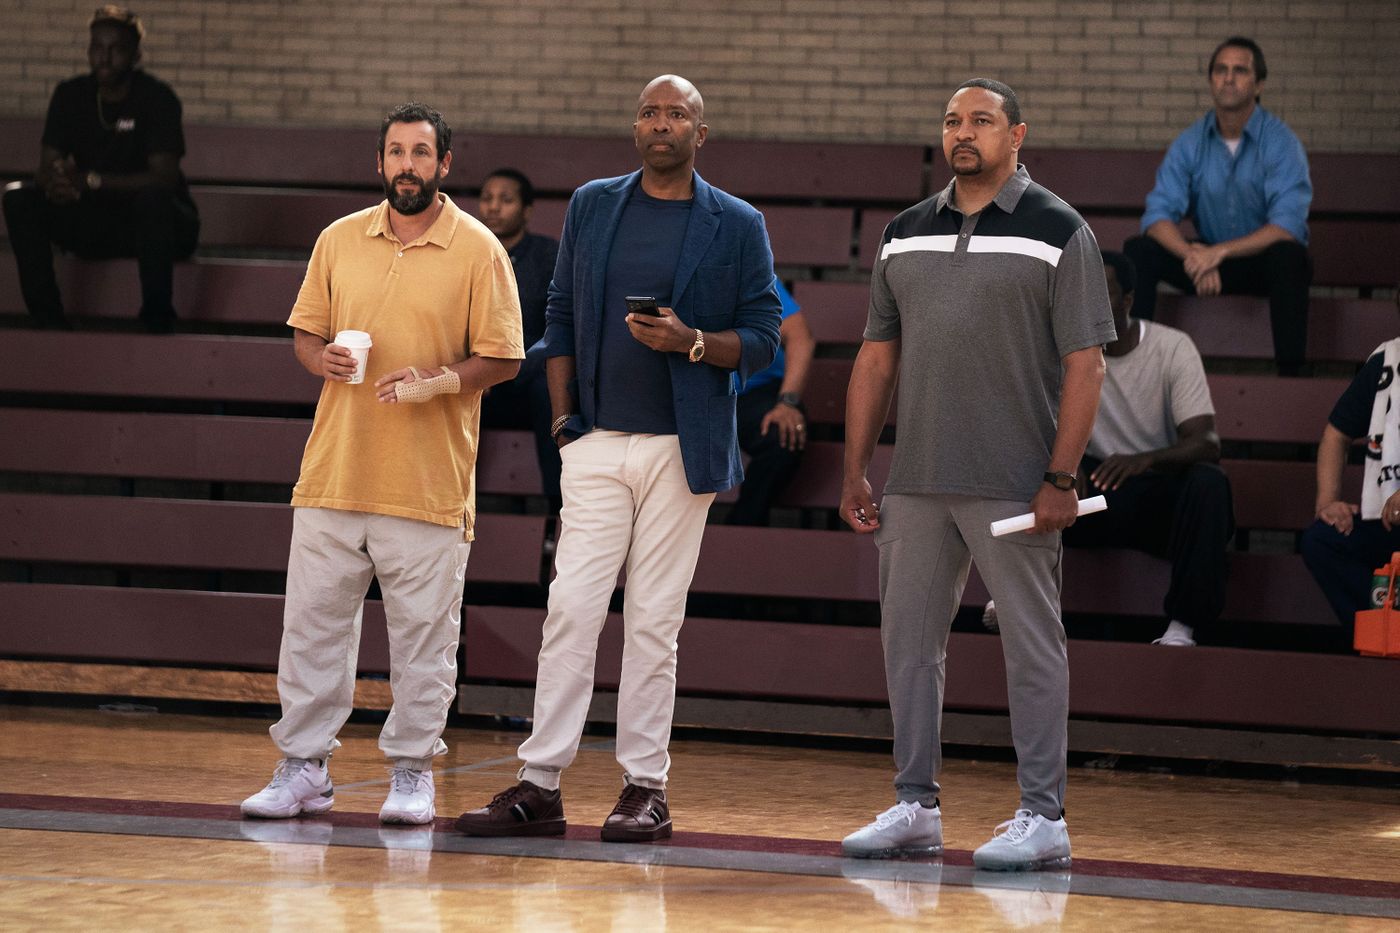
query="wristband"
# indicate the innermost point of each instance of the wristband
(558, 425)
(422, 389)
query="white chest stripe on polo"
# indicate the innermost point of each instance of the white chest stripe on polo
(945, 243)
(1020, 245)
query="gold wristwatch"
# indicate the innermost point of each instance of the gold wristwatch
(697, 352)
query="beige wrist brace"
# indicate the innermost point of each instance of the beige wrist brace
(420, 389)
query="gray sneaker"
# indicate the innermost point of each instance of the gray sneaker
(1026, 842)
(907, 828)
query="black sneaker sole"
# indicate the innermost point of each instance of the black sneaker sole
(496, 830)
(626, 834)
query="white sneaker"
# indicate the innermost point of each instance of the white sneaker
(907, 828)
(1177, 635)
(1026, 842)
(410, 797)
(299, 785)
(989, 617)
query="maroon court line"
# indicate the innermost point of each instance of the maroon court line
(1141, 871)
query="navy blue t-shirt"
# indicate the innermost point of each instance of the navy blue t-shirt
(1352, 413)
(634, 381)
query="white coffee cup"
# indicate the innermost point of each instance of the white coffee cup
(358, 343)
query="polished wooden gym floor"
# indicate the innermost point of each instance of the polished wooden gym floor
(129, 821)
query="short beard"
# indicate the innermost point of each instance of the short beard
(975, 169)
(410, 204)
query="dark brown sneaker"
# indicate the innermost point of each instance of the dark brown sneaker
(523, 810)
(641, 815)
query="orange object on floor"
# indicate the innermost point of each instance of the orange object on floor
(1378, 629)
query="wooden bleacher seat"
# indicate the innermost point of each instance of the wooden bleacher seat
(272, 218)
(234, 292)
(873, 222)
(809, 236)
(839, 565)
(139, 625)
(843, 664)
(835, 311)
(1343, 330)
(148, 625)
(1268, 494)
(152, 538)
(134, 531)
(146, 445)
(169, 366)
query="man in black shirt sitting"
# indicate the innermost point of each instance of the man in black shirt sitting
(109, 181)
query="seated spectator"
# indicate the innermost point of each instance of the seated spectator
(1153, 454)
(1241, 175)
(772, 422)
(109, 181)
(507, 200)
(1348, 541)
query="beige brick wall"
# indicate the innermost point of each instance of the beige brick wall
(1111, 73)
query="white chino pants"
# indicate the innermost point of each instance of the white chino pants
(625, 500)
(421, 568)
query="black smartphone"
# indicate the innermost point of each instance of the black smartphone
(641, 304)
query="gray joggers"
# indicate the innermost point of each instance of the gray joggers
(927, 544)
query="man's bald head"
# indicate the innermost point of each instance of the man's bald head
(668, 131)
(687, 90)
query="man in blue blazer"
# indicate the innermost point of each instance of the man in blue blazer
(644, 415)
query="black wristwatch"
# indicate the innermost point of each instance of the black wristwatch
(791, 399)
(1061, 480)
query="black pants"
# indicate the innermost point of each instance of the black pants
(1342, 564)
(771, 466)
(1186, 517)
(155, 227)
(1282, 273)
(523, 403)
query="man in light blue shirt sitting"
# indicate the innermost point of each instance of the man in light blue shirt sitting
(1241, 176)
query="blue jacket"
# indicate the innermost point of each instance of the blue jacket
(724, 281)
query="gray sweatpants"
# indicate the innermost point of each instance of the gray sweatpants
(927, 543)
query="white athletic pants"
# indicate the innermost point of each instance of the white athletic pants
(625, 500)
(421, 568)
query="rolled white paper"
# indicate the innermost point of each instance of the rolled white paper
(1024, 522)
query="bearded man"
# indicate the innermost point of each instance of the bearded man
(386, 486)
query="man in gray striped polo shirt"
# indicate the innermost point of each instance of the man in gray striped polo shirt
(989, 307)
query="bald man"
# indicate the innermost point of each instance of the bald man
(644, 415)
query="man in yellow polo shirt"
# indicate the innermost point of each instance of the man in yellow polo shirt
(387, 479)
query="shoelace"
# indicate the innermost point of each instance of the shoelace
(287, 769)
(1018, 828)
(902, 812)
(635, 801)
(507, 797)
(404, 780)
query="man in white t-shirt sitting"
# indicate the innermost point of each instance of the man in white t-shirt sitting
(1154, 454)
